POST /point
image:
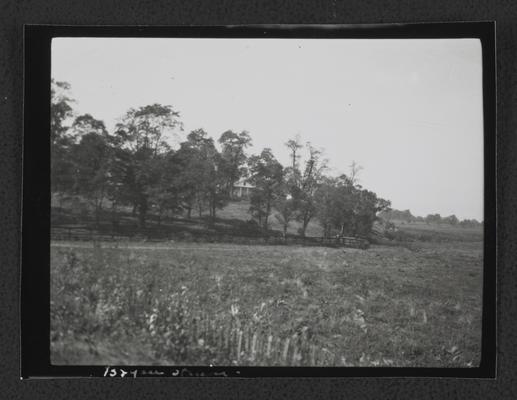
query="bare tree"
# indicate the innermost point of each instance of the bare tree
(355, 168)
(294, 145)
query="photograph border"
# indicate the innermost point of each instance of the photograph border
(35, 232)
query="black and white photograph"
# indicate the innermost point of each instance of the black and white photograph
(272, 202)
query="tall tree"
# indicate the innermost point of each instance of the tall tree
(142, 137)
(347, 208)
(355, 169)
(201, 180)
(85, 124)
(92, 158)
(191, 157)
(149, 127)
(61, 166)
(284, 204)
(60, 109)
(366, 208)
(294, 147)
(310, 179)
(233, 157)
(165, 195)
(345, 204)
(266, 176)
(327, 198)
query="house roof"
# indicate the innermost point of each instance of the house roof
(242, 183)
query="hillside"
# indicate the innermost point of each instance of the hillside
(239, 210)
(234, 218)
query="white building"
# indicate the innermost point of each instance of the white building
(242, 189)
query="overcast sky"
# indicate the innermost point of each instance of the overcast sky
(408, 111)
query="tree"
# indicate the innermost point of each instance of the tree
(347, 208)
(233, 157)
(191, 179)
(294, 146)
(85, 124)
(284, 204)
(327, 198)
(308, 184)
(289, 191)
(433, 219)
(355, 169)
(345, 205)
(367, 206)
(61, 166)
(266, 176)
(92, 158)
(398, 215)
(165, 195)
(470, 223)
(217, 194)
(407, 216)
(304, 184)
(142, 138)
(201, 182)
(60, 110)
(149, 127)
(451, 219)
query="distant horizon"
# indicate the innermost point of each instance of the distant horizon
(408, 111)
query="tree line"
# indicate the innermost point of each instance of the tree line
(135, 166)
(407, 217)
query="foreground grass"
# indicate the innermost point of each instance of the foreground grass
(181, 303)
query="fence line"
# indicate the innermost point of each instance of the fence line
(79, 233)
(248, 345)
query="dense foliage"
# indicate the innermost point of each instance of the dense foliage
(136, 166)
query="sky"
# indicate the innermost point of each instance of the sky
(409, 111)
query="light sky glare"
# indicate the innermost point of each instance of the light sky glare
(410, 111)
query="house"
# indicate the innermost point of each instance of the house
(242, 189)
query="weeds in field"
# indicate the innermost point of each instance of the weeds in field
(199, 313)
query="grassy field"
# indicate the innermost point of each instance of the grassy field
(413, 304)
